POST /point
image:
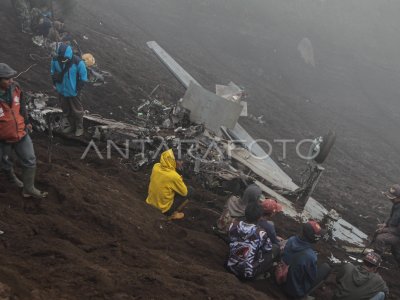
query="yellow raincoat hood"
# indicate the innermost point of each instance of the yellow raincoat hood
(165, 182)
(167, 160)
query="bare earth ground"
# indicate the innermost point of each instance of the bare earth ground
(94, 237)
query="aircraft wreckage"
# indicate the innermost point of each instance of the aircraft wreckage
(217, 150)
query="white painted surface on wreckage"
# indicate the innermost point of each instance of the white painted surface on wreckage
(184, 77)
(261, 160)
(263, 168)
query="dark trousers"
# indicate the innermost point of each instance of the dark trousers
(269, 258)
(322, 274)
(72, 111)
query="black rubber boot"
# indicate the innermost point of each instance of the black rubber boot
(28, 177)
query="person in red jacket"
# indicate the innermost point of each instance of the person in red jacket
(14, 134)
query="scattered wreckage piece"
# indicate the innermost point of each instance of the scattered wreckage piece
(41, 115)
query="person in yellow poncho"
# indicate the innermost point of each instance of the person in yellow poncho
(165, 182)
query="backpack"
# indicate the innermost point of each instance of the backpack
(58, 77)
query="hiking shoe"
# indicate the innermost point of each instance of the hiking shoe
(177, 215)
(79, 132)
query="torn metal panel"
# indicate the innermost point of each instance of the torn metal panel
(210, 109)
(344, 231)
(315, 209)
(244, 112)
(111, 124)
(183, 76)
(262, 168)
(241, 134)
(233, 93)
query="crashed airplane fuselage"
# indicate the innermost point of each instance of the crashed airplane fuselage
(257, 160)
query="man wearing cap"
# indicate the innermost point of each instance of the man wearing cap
(362, 282)
(14, 134)
(270, 208)
(304, 275)
(388, 233)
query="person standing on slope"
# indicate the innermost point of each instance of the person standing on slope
(69, 75)
(388, 233)
(14, 134)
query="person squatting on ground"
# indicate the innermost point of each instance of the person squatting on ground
(69, 75)
(362, 282)
(235, 207)
(270, 208)
(167, 191)
(388, 233)
(14, 134)
(251, 252)
(304, 275)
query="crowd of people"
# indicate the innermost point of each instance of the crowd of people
(69, 73)
(36, 17)
(256, 251)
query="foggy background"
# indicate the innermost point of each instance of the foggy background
(307, 65)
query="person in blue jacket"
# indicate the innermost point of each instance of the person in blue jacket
(69, 74)
(304, 275)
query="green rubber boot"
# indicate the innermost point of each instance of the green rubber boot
(12, 178)
(28, 178)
